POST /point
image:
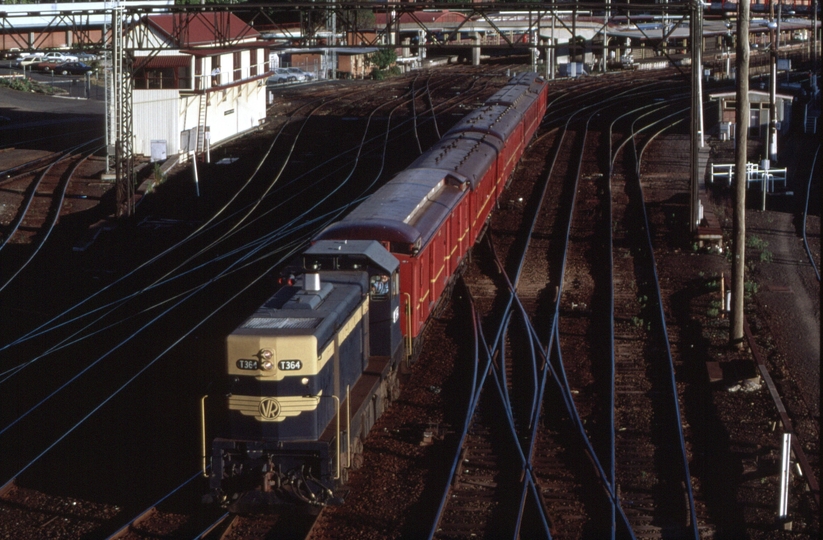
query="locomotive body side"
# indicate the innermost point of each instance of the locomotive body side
(305, 384)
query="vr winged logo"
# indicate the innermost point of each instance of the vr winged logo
(270, 409)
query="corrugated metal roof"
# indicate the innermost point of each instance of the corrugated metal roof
(445, 16)
(165, 61)
(192, 29)
(214, 51)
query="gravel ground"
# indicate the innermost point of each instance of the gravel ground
(784, 314)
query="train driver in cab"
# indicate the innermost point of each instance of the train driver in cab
(380, 286)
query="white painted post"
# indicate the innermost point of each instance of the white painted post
(783, 503)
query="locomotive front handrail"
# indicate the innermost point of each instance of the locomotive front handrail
(337, 436)
(203, 434)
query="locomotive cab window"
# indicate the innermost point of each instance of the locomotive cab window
(380, 286)
(352, 262)
(315, 263)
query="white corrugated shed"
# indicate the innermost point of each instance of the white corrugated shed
(168, 115)
(181, 92)
(156, 117)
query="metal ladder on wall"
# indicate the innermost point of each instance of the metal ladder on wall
(200, 145)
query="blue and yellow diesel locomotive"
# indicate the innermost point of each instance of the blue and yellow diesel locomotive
(314, 367)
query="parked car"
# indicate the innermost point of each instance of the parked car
(85, 57)
(299, 74)
(281, 75)
(73, 68)
(27, 54)
(10, 54)
(45, 65)
(26, 61)
(56, 56)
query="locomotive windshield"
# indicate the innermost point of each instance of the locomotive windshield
(380, 286)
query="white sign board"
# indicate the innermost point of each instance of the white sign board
(158, 151)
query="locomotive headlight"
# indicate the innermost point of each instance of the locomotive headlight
(265, 356)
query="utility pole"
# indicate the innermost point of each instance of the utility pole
(740, 159)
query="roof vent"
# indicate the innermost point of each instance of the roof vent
(311, 282)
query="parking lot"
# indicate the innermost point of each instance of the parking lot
(75, 86)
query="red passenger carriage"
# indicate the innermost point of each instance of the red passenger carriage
(430, 215)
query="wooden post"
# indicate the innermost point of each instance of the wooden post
(741, 157)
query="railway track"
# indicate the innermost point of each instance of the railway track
(650, 457)
(569, 485)
(626, 396)
(569, 453)
(556, 443)
(126, 310)
(43, 185)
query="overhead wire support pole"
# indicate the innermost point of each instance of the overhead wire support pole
(774, 37)
(122, 116)
(696, 28)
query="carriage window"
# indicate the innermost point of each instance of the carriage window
(380, 287)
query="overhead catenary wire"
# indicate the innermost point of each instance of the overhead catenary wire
(296, 246)
(194, 234)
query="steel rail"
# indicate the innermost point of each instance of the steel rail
(63, 186)
(414, 112)
(213, 526)
(513, 298)
(124, 530)
(612, 458)
(609, 479)
(529, 480)
(565, 386)
(480, 342)
(806, 213)
(20, 170)
(21, 214)
(477, 384)
(662, 318)
(569, 401)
